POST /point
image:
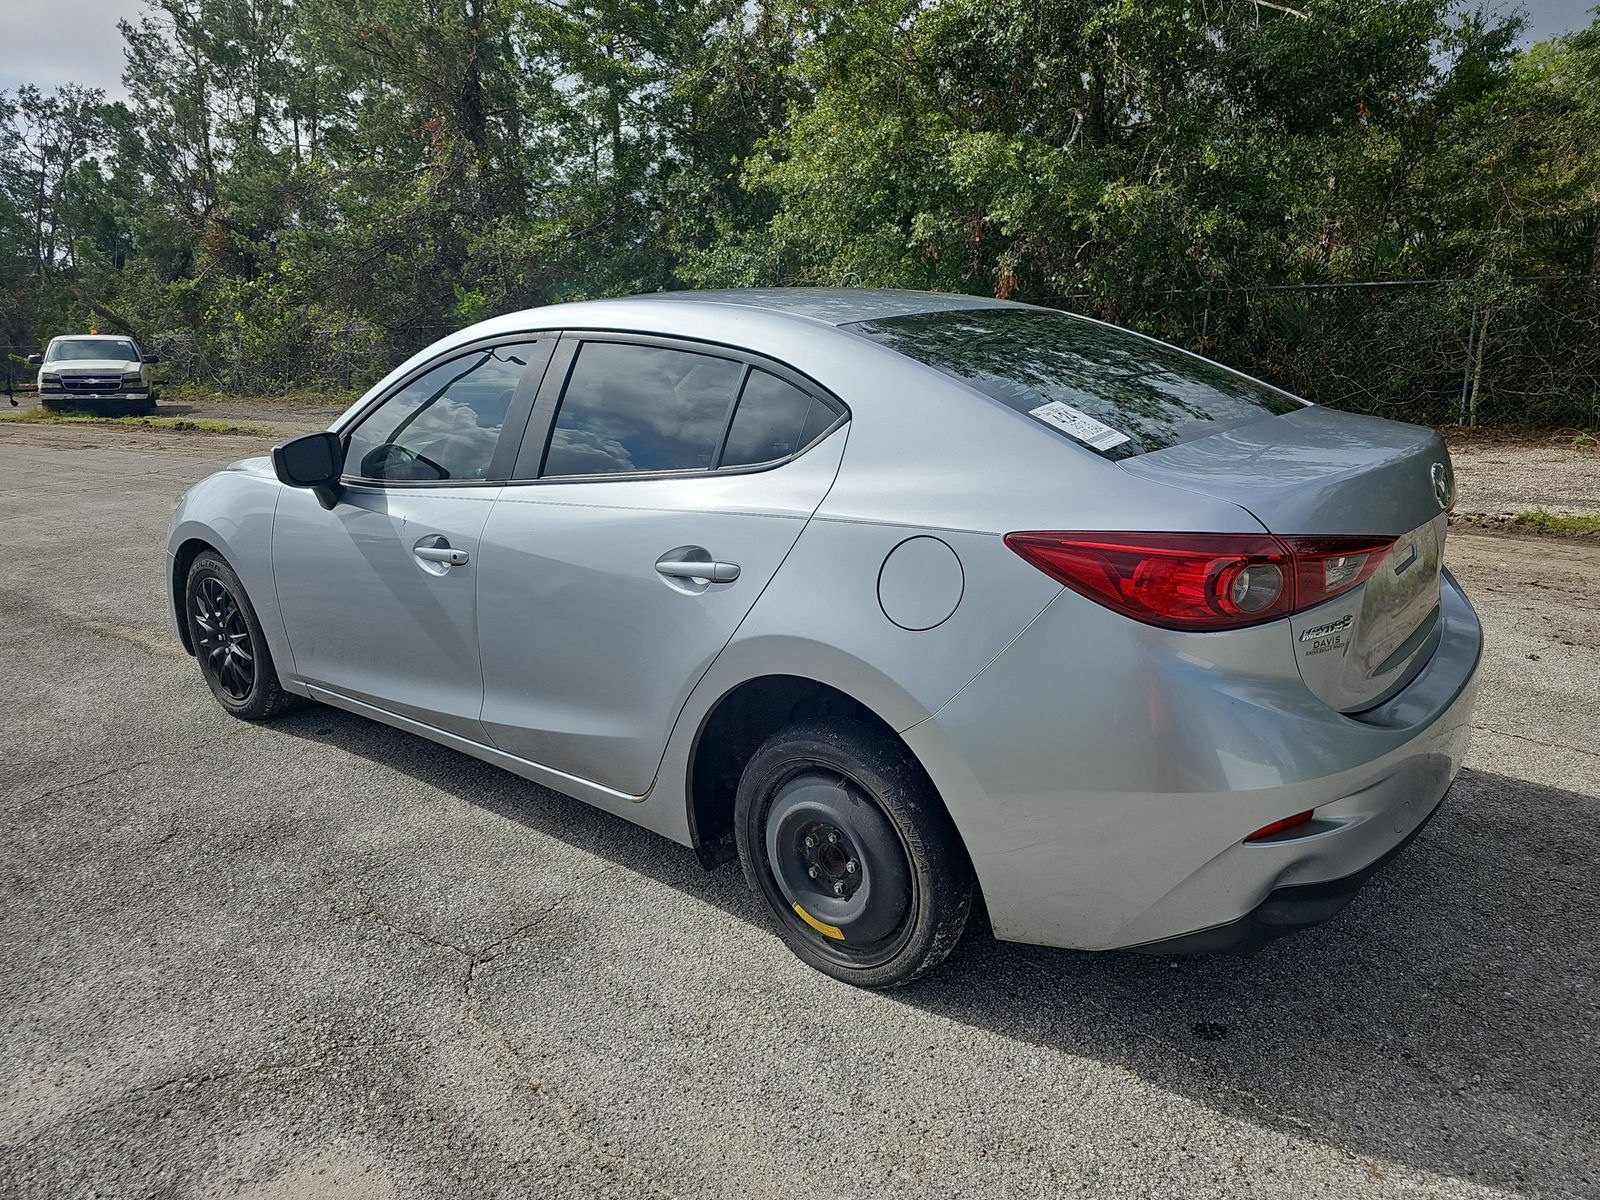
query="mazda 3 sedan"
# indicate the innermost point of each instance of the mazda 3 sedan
(903, 599)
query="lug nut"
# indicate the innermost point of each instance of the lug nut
(812, 872)
(833, 837)
(838, 888)
(811, 842)
(851, 867)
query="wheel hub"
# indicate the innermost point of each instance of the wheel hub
(830, 860)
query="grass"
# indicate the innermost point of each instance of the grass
(1549, 522)
(39, 416)
(194, 393)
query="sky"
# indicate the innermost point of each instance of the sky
(51, 42)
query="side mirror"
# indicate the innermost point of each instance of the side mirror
(152, 359)
(36, 360)
(315, 461)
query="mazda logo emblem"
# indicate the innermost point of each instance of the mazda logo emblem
(1443, 488)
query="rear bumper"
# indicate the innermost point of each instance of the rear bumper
(1104, 779)
(1285, 910)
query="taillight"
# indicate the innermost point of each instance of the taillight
(1203, 581)
(1326, 567)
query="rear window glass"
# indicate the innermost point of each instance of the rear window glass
(1114, 392)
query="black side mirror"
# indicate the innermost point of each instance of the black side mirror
(315, 461)
(152, 359)
(36, 360)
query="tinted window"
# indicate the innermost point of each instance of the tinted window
(86, 349)
(443, 424)
(641, 408)
(774, 420)
(1149, 394)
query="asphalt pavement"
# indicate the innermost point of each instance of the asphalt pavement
(322, 958)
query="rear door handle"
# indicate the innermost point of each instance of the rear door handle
(705, 572)
(437, 550)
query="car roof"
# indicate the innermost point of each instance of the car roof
(770, 321)
(832, 305)
(92, 337)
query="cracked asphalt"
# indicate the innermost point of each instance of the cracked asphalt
(324, 959)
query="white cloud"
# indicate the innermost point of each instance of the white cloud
(52, 42)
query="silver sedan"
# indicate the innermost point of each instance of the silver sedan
(902, 599)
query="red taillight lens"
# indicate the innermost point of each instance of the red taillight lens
(1202, 581)
(1326, 567)
(1267, 831)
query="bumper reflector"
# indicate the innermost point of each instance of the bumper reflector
(1267, 831)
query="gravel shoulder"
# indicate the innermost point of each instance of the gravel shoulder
(1496, 473)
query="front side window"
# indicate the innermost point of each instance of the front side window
(443, 425)
(632, 408)
(91, 349)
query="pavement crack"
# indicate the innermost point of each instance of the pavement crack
(371, 909)
(478, 961)
(1522, 737)
(271, 1068)
(124, 768)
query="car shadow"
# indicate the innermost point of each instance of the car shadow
(1449, 1020)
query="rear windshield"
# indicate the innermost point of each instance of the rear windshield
(85, 350)
(1112, 391)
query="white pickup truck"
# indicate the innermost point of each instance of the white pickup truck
(99, 373)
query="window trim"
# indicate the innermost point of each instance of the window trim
(535, 444)
(522, 399)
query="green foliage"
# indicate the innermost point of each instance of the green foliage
(303, 190)
(1549, 522)
(39, 416)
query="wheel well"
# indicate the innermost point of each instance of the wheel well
(182, 560)
(741, 721)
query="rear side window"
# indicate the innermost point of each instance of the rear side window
(630, 408)
(1109, 390)
(774, 420)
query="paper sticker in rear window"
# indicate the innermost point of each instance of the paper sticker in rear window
(1096, 434)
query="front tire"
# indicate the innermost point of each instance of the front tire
(228, 643)
(843, 835)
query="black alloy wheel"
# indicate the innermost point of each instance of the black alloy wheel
(227, 641)
(223, 644)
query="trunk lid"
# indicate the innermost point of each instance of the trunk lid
(1316, 471)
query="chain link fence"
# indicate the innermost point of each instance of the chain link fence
(1513, 351)
(16, 376)
(1507, 352)
(341, 359)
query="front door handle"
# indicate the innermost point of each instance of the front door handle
(437, 550)
(705, 572)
